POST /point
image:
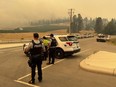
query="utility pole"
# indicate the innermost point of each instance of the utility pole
(70, 12)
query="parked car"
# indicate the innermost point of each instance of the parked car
(78, 36)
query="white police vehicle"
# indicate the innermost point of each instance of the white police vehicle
(66, 45)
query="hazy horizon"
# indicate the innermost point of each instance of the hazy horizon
(14, 13)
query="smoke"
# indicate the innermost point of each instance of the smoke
(15, 13)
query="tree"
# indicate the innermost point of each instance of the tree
(99, 25)
(74, 24)
(89, 24)
(110, 28)
(80, 25)
(86, 22)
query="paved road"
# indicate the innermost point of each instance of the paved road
(14, 71)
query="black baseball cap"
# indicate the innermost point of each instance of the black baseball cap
(51, 35)
(35, 35)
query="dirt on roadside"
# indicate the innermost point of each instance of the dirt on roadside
(29, 36)
(26, 36)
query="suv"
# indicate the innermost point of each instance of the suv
(66, 45)
(102, 38)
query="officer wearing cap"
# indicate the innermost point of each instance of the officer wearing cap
(36, 49)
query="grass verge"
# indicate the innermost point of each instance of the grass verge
(113, 41)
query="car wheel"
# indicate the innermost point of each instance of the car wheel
(59, 53)
(97, 40)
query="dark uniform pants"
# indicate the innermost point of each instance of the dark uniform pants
(51, 55)
(46, 53)
(36, 62)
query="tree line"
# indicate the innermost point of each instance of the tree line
(99, 25)
(47, 22)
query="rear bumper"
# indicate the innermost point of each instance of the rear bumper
(74, 51)
(102, 40)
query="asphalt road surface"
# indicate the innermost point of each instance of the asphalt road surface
(14, 71)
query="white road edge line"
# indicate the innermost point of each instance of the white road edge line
(18, 80)
(36, 71)
(82, 51)
(26, 83)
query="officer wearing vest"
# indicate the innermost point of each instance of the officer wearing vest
(36, 49)
(46, 43)
(52, 49)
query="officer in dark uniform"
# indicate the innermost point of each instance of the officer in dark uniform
(52, 49)
(36, 49)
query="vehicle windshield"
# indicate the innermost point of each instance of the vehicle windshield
(63, 38)
(101, 36)
(72, 38)
(68, 38)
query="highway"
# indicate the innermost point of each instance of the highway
(14, 71)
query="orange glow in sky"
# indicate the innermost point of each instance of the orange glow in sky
(18, 12)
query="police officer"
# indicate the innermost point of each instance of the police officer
(36, 49)
(46, 43)
(52, 49)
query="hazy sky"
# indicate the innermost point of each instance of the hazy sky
(17, 12)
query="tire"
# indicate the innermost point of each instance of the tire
(97, 40)
(59, 53)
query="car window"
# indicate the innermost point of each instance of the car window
(72, 38)
(101, 36)
(63, 38)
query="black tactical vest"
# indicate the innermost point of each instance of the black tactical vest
(37, 48)
(53, 42)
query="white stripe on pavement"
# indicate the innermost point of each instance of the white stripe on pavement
(18, 80)
(26, 83)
